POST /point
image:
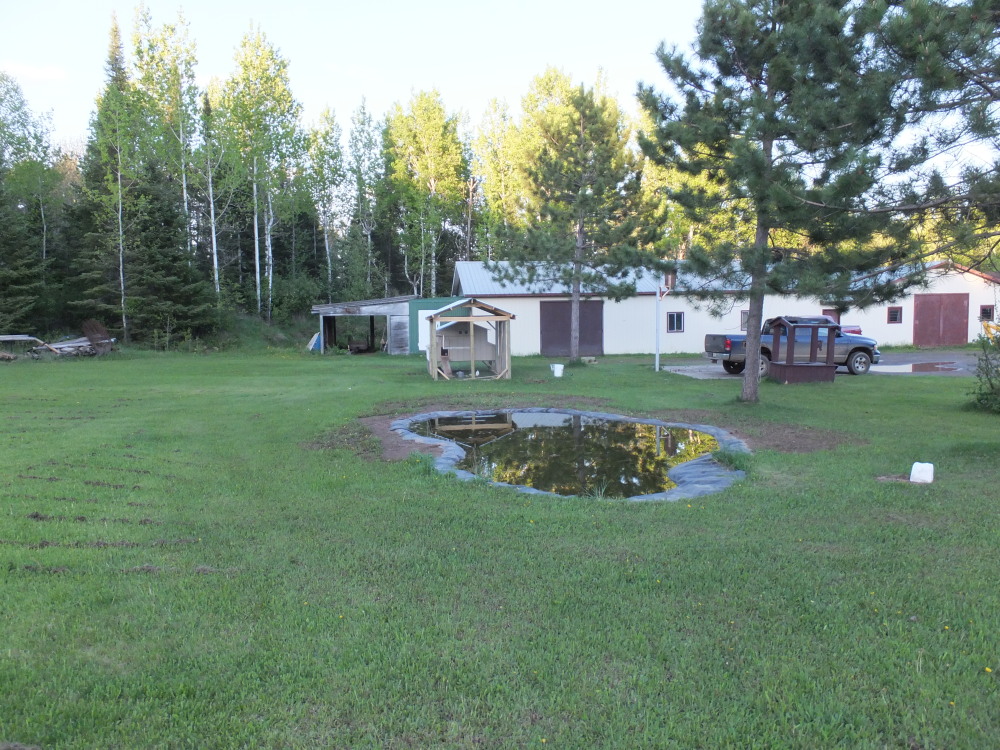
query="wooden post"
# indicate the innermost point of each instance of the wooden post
(472, 348)
(432, 351)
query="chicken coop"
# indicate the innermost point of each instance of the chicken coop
(469, 339)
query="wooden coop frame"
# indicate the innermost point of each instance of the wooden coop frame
(460, 332)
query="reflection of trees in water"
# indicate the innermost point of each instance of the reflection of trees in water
(587, 456)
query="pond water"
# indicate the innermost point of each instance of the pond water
(569, 453)
(919, 367)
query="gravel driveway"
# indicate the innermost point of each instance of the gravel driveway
(946, 362)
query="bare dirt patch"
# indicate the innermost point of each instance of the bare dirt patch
(760, 435)
(371, 437)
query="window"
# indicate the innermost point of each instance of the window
(744, 319)
(675, 322)
(895, 315)
(987, 312)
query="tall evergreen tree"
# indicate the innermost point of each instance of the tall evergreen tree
(588, 226)
(169, 296)
(20, 268)
(948, 56)
(27, 194)
(111, 169)
(787, 106)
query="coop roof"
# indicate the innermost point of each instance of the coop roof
(469, 302)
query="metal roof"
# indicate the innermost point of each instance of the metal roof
(386, 306)
(474, 279)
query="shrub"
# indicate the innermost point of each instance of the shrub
(987, 393)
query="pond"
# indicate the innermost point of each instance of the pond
(569, 452)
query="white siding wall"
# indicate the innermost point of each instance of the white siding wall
(874, 321)
(629, 325)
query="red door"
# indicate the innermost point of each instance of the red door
(940, 319)
(555, 323)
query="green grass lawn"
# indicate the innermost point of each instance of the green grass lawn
(184, 566)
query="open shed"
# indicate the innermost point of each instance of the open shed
(469, 338)
(395, 338)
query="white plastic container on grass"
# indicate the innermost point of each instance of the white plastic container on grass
(922, 473)
(557, 370)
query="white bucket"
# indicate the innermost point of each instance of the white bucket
(557, 370)
(922, 473)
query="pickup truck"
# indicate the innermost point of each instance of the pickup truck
(856, 353)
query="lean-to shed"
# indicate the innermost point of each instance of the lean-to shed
(469, 338)
(396, 336)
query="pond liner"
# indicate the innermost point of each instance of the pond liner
(696, 478)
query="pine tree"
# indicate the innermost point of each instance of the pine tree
(589, 227)
(948, 56)
(787, 107)
(169, 296)
(111, 168)
(20, 268)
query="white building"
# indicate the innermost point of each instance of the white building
(947, 312)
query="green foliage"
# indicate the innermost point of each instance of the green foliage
(782, 113)
(986, 395)
(945, 56)
(23, 136)
(587, 223)
(294, 296)
(21, 284)
(427, 167)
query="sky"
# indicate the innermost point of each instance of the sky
(339, 53)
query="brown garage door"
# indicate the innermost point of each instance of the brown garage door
(555, 320)
(940, 319)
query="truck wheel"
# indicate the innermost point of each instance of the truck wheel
(765, 364)
(733, 368)
(859, 363)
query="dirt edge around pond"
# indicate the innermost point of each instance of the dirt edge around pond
(758, 435)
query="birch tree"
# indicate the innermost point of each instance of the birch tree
(165, 61)
(429, 167)
(365, 167)
(327, 177)
(208, 159)
(261, 117)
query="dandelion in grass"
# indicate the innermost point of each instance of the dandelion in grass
(987, 670)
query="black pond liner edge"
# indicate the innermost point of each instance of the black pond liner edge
(697, 478)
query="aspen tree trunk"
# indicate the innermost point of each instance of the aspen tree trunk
(121, 248)
(215, 242)
(256, 237)
(329, 264)
(269, 249)
(184, 193)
